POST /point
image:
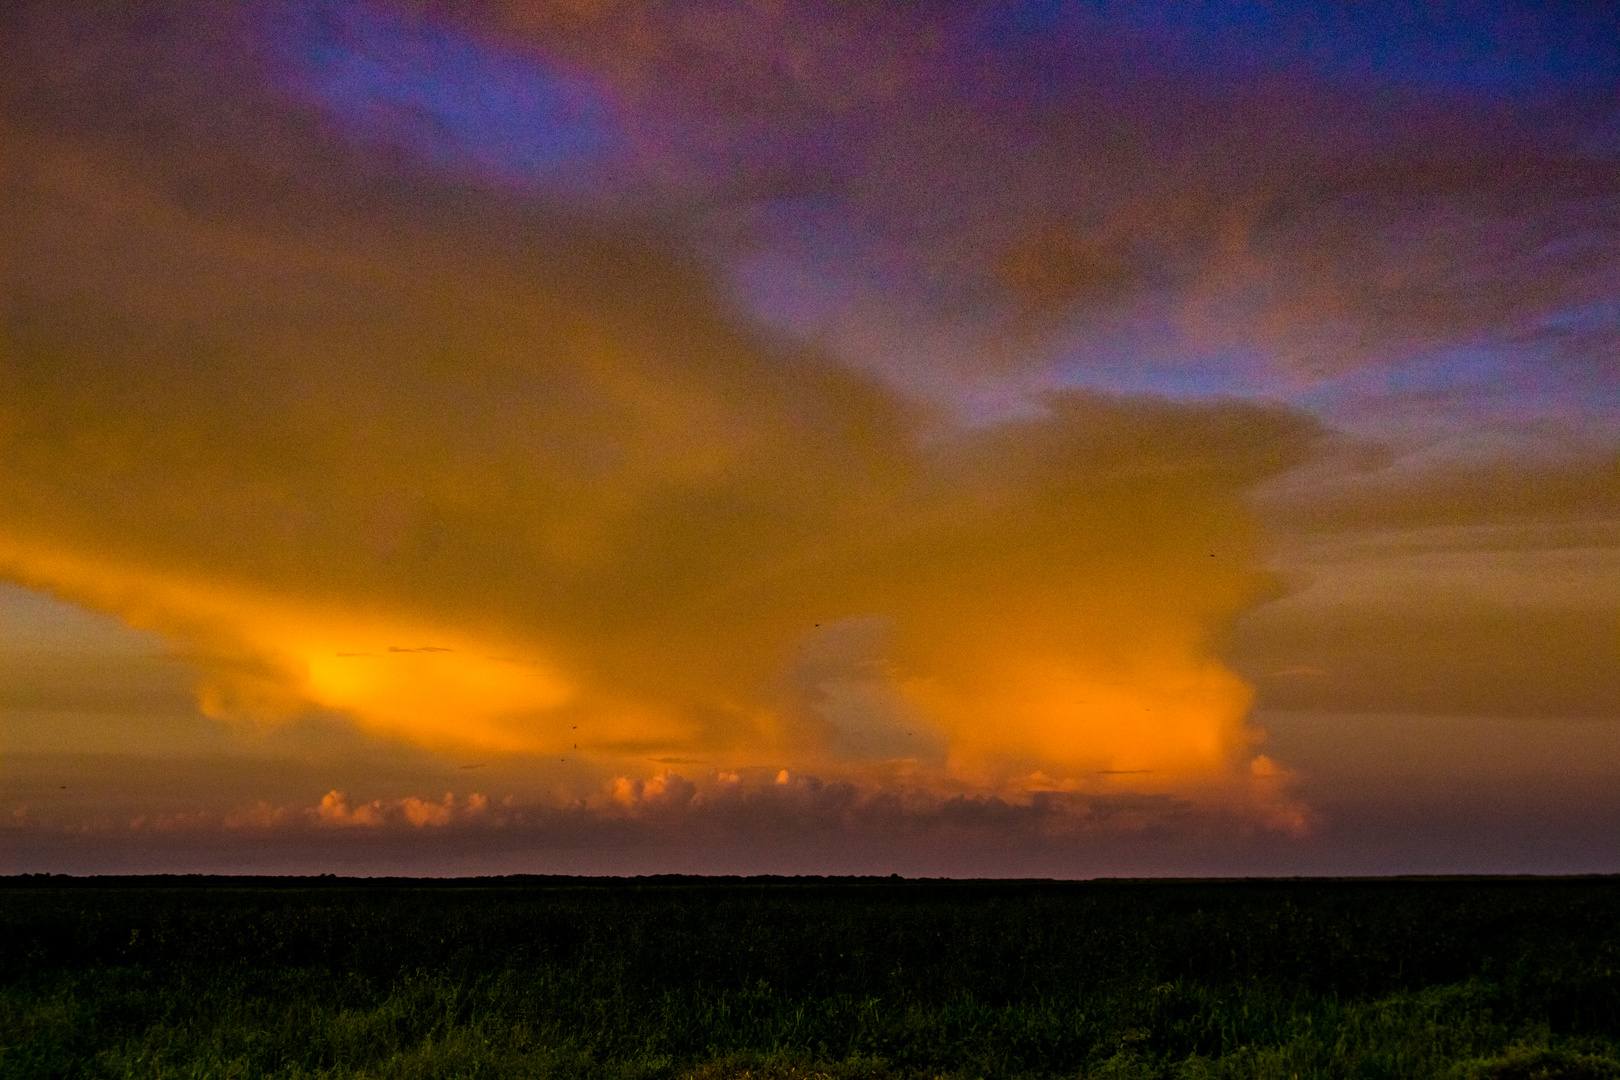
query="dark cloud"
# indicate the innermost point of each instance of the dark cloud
(1097, 166)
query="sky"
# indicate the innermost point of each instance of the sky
(968, 439)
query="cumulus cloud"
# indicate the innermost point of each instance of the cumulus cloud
(660, 791)
(669, 809)
(334, 810)
(789, 392)
(479, 477)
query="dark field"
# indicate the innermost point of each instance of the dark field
(1497, 978)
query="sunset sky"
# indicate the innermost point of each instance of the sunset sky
(1059, 439)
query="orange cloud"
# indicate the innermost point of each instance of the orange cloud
(479, 479)
(334, 809)
(265, 656)
(428, 814)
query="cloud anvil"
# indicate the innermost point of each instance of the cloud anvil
(675, 406)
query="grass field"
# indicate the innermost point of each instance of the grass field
(870, 979)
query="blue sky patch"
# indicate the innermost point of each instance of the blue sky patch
(457, 102)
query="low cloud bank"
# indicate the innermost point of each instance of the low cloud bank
(669, 808)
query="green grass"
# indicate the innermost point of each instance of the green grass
(1492, 979)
